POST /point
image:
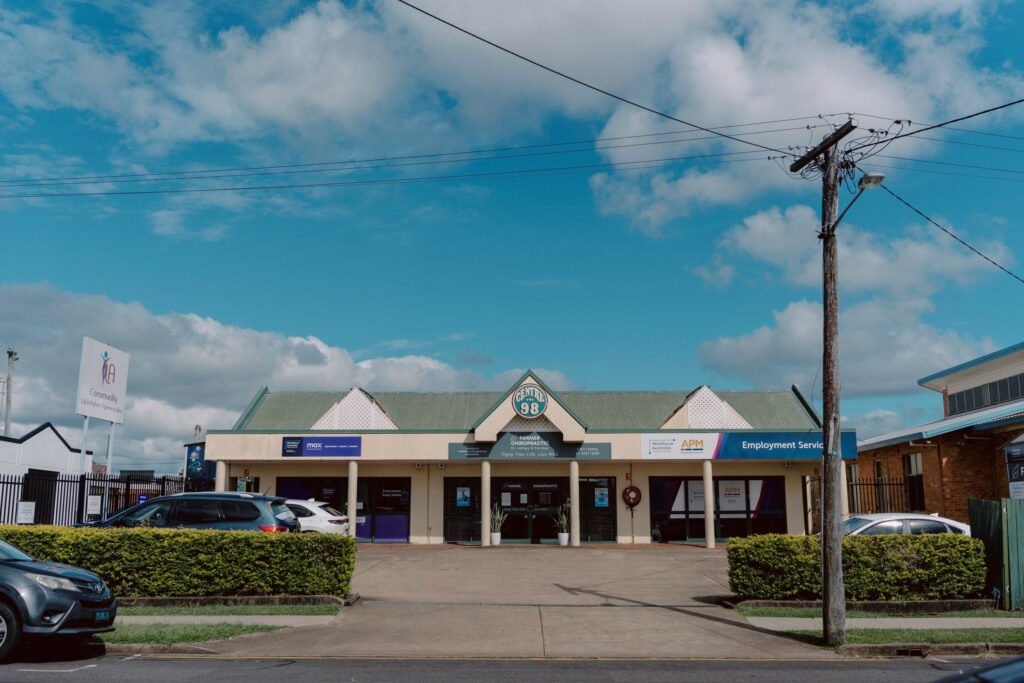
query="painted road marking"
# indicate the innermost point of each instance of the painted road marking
(57, 671)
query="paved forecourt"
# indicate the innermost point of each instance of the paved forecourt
(534, 601)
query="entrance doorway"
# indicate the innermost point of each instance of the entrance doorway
(533, 503)
(382, 503)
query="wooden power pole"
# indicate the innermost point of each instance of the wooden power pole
(832, 589)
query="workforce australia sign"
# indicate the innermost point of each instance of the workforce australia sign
(530, 446)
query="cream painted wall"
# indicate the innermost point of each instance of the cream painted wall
(426, 520)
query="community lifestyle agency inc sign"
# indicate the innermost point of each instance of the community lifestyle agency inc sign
(102, 381)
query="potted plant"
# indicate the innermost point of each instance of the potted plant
(562, 521)
(498, 517)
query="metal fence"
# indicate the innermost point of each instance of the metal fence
(64, 499)
(865, 495)
(877, 495)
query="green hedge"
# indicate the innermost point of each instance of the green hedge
(925, 567)
(164, 562)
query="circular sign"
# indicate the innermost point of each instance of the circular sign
(530, 401)
(631, 496)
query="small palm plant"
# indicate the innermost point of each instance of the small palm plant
(498, 517)
(562, 521)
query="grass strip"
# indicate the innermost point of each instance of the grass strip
(815, 612)
(938, 636)
(166, 634)
(221, 610)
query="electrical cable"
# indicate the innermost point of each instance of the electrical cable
(952, 234)
(956, 128)
(323, 169)
(950, 173)
(388, 181)
(949, 163)
(936, 125)
(585, 84)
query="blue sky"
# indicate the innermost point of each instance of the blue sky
(667, 276)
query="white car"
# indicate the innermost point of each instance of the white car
(314, 515)
(887, 523)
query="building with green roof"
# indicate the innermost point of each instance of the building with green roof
(597, 466)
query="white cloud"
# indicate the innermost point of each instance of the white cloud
(188, 369)
(885, 346)
(874, 422)
(919, 261)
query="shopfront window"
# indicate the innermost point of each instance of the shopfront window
(743, 506)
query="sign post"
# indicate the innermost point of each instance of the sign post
(1015, 469)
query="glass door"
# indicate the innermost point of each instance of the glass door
(513, 497)
(546, 498)
(597, 510)
(461, 510)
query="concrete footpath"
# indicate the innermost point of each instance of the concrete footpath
(263, 619)
(916, 623)
(533, 601)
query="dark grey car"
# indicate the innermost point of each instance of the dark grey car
(209, 510)
(46, 599)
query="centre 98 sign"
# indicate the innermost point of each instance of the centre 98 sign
(530, 401)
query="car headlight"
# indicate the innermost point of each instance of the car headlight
(54, 582)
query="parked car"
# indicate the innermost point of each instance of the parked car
(208, 510)
(887, 523)
(1005, 671)
(46, 599)
(314, 515)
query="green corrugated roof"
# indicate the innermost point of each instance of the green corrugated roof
(457, 412)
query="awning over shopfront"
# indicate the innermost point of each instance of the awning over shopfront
(987, 417)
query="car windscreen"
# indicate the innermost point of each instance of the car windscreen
(9, 552)
(854, 523)
(281, 511)
(331, 511)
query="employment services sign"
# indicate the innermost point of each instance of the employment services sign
(321, 446)
(529, 446)
(740, 446)
(102, 381)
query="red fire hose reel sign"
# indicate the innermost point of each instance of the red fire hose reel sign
(631, 496)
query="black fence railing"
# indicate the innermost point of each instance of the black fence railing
(41, 497)
(877, 495)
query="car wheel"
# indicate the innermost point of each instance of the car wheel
(10, 630)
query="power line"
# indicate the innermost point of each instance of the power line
(588, 85)
(933, 126)
(952, 234)
(950, 173)
(956, 128)
(322, 166)
(951, 163)
(556, 170)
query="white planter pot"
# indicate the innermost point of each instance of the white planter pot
(495, 538)
(563, 538)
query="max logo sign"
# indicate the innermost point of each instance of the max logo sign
(108, 371)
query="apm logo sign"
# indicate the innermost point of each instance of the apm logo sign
(691, 446)
(530, 401)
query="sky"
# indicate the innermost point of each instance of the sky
(464, 215)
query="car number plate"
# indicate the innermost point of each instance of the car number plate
(103, 616)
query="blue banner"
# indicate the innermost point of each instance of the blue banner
(321, 446)
(780, 446)
(195, 467)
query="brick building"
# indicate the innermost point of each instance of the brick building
(937, 467)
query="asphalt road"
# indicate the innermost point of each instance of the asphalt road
(179, 668)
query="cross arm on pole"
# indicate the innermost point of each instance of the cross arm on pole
(824, 145)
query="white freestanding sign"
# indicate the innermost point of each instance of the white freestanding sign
(102, 382)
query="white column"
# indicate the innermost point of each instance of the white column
(844, 492)
(485, 503)
(353, 496)
(709, 506)
(221, 477)
(574, 503)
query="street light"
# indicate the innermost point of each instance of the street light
(868, 181)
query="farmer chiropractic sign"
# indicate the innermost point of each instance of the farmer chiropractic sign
(530, 401)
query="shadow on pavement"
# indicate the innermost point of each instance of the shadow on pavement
(55, 650)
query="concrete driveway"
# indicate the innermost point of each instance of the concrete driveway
(534, 601)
